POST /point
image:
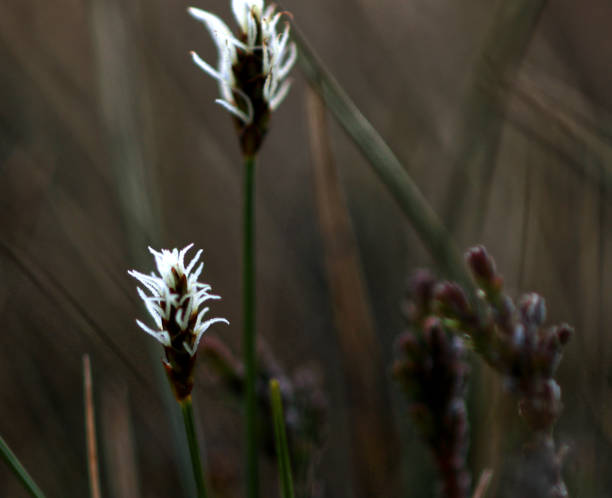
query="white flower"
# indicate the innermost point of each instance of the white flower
(175, 300)
(258, 35)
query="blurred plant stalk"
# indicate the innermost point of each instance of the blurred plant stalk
(280, 437)
(373, 448)
(384, 163)
(90, 431)
(249, 324)
(483, 113)
(118, 442)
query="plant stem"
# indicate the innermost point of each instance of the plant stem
(280, 436)
(385, 164)
(90, 431)
(11, 460)
(194, 450)
(248, 318)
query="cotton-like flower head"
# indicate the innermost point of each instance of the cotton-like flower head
(175, 302)
(253, 66)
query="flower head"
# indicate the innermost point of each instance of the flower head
(175, 302)
(253, 66)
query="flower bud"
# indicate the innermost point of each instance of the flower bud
(420, 294)
(532, 308)
(483, 268)
(565, 333)
(451, 300)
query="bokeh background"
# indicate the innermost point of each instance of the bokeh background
(110, 140)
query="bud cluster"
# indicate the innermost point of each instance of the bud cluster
(432, 369)
(511, 337)
(518, 344)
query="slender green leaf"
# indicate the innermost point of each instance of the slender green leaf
(384, 163)
(13, 462)
(280, 437)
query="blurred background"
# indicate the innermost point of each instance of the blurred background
(110, 140)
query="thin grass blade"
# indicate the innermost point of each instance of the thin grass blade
(280, 437)
(90, 431)
(19, 470)
(384, 163)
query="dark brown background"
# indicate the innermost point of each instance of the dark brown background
(109, 137)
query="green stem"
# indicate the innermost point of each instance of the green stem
(12, 461)
(194, 450)
(249, 327)
(280, 437)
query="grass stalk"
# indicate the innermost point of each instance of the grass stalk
(19, 470)
(248, 318)
(384, 163)
(194, 449)
(280, 438)
(483, 483)
(90, 431)
(373, 454)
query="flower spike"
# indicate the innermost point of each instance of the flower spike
(175, 304)
(252, 67)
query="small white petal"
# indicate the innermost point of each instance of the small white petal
(249, 104)
(161, 335)
(251, 30)
(226, 49)
(217, 28)
(182, 319)
(203, 328)
(201, 314)
(206, 67)
(282, 40)
(194, 276)
(266, 58)
(266, 87)
(181, 257)
(268, 12)
(234, 110)
(280, 95)
(153, 284)
(189, 349)
(193, 261)
(285, 67)
(242, 8)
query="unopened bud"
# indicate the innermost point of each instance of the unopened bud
(533, 309)
(407, 343)
(421, 289)
(452, 300)
(565, 333)
(481, 264)
(504, 314)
